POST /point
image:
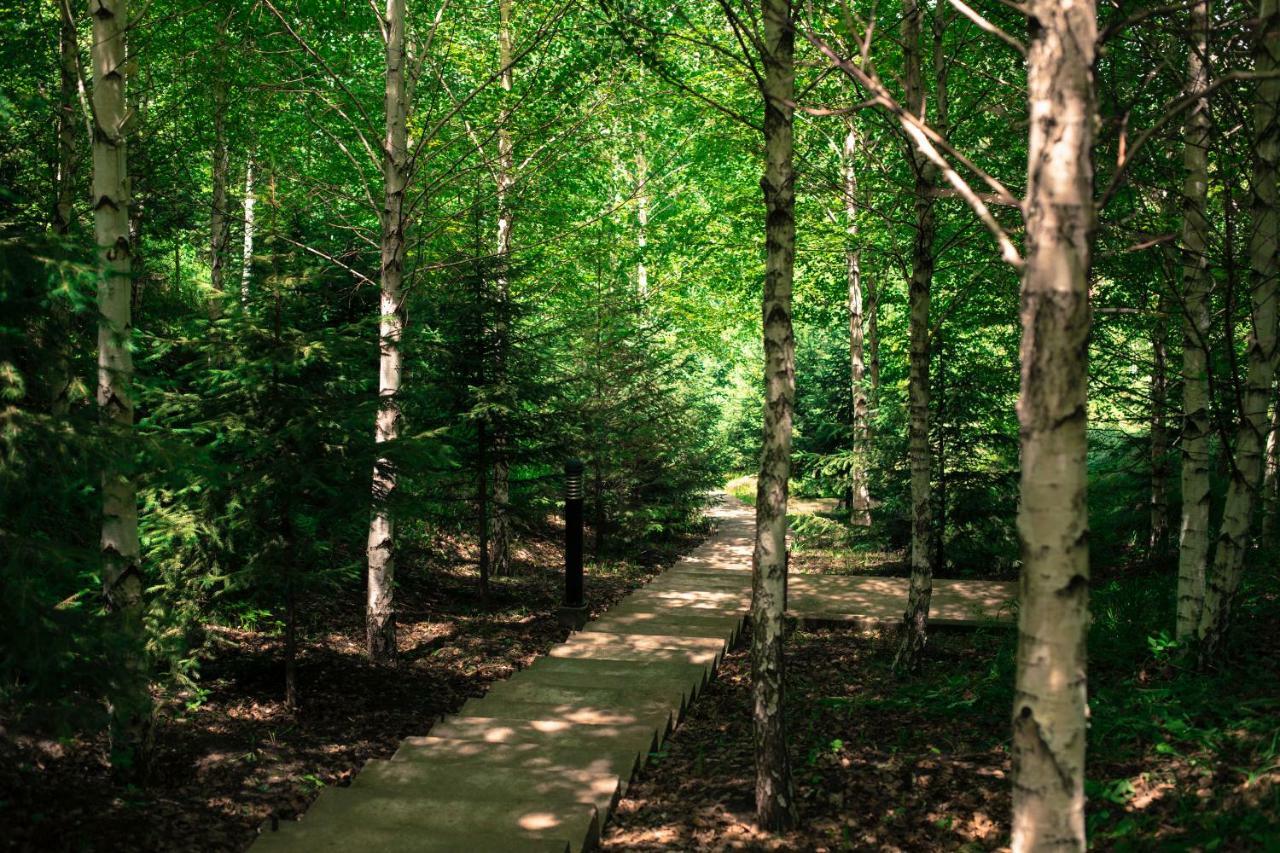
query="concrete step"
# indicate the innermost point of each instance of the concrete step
(549, 732)
(657, 715)
(685, 601)
(641, 648)
(615, 670)
(342, 820)
(579, 774)
(657, 678)
(661, 622)
(613, 696)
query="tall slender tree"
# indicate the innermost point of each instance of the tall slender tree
(1235, 535)
(64, 212)
(860, 497)
(219, 230)
(380, 606)
(1157, 540)
(121, 552)
(68, 78)
(915, 619)
(246, 256)
(500, 517)
(1193, 542)
(775, 798)
(1049, 708)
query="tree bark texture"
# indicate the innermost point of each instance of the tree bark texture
(1050, 711)
(860, 503)
(121, 553)
(1234, 537)
(1158, 539)
(68, 67)
(775, 799)
(915, 618)
(1193, 541)
(642, 222)
(1271, 481)
(380, 607)
(500, 517)
(246, 257)
(218, 220)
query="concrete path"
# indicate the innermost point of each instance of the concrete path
(538, 763)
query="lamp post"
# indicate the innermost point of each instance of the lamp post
(573, 613)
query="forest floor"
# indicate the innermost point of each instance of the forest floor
(239, 757)
(1177, 760)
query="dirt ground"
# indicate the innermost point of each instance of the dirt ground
(241, 758)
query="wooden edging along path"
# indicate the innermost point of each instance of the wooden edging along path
(539, 762)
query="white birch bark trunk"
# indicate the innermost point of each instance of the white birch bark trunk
(1193, 541)
(642, 222)
(380, 604)
(218, 221)
(1159, 535)
(915, 618)
(500, 518)
(775, 799)
(1049, 710)
(860, 497)
(121, 552)
(246, 257)
(68, 73)
(1234, 537)
(1271, 481)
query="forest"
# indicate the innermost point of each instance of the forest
(306, 304)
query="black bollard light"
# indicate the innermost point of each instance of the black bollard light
(574, 611)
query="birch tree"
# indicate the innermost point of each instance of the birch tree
(1049, 710)
(121, 553)
(860, 497)
(246, 255)
(218, 222)
(775, 798)
(1158, 539)
(1234, 536)
(380, 612)
(500, 519)
(69, 75)
(915, 619)
(1193, 543)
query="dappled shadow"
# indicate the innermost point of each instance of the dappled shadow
(241, 758)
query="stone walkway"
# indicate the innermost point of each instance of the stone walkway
(538, 763)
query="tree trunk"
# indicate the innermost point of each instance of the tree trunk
(121, 557)
(1193, 543)
(1159, 538)
(872, 310)
(500, 539)
(860, 500)
(218, 223)
(380, 610)
(939, 545)
(1049, 710)
(1271, 481)
(915, 619)
(246, 258)
(642, 222)
(64, 195)
(1264, 266)
(65, 190)
(775, 798)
